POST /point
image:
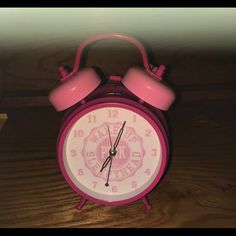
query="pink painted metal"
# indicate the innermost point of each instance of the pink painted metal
(82, 202)
(115, 78)
(79, 86)
(155, 72)
(141, 91)
(147, 204)
(110, 36)
(149, 89)
(64, 73)
(123, 103)
(145, 84)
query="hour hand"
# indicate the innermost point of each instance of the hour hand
(106, 163)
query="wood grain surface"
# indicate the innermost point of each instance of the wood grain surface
(199, 189)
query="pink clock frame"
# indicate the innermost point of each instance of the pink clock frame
(81, 91)
(122, 102)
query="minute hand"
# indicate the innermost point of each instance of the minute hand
(119, 136)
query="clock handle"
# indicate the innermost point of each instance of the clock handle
(150, 69)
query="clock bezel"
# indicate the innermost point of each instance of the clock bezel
(115, 102)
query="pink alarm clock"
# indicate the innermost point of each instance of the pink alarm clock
(113, 144)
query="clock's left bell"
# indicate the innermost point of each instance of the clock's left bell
(75, 87)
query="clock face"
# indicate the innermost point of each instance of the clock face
(137, 165)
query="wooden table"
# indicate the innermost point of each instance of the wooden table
(198, 191)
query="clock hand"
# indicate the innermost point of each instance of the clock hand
(113, 151)
(105, 163)
(108, 159)
(119, 136)
(109, 136)
(108, 175)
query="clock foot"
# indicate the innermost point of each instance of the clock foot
(147, 204)
(81, 203)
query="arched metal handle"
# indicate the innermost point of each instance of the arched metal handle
(110, 36)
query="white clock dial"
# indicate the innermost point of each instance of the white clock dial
(134, 167)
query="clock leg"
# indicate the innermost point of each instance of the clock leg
(81, 203)
(147, 204)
